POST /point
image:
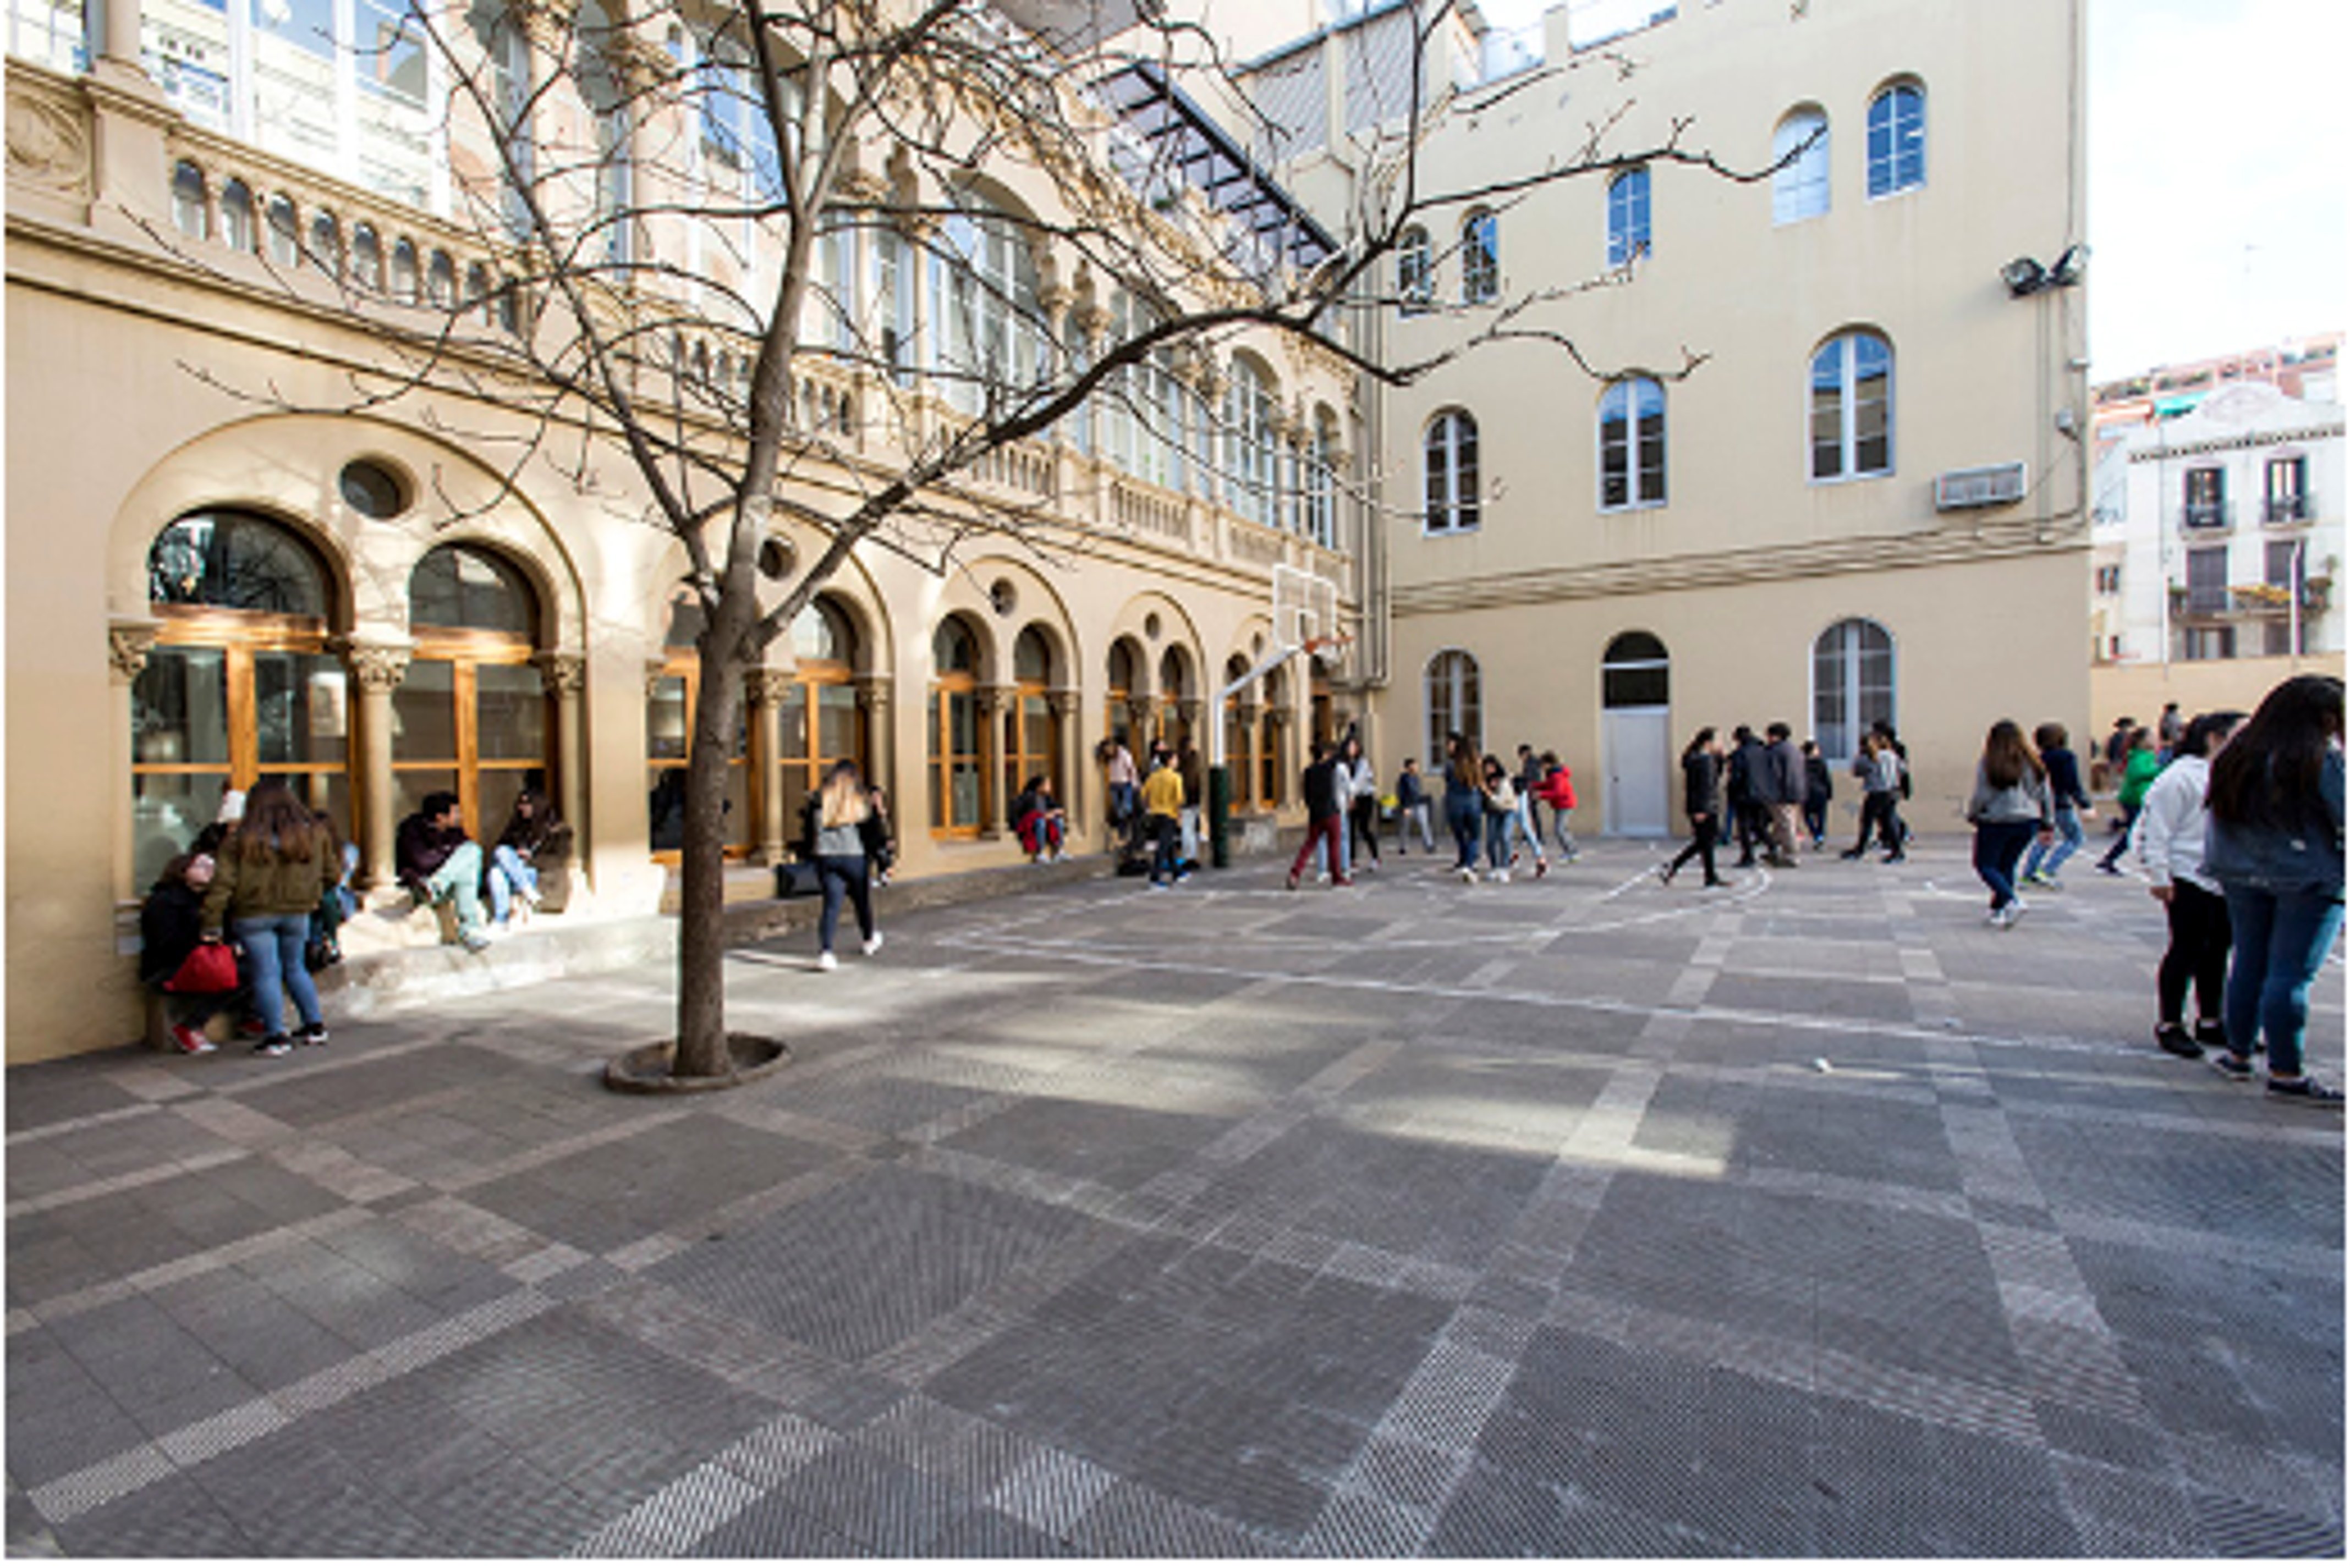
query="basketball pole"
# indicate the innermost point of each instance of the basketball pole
(1220, 777)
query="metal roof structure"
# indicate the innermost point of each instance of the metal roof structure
(1183, 135)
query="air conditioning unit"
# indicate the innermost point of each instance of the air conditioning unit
(1996, 486)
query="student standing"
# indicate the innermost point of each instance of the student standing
(1411, 809)
(2274, 846)
(1819, 789)
(838, 816)
(271, 873)
(1362, 802)
(1781, 791)
(1464, 804)
(2170, 832)
(1162, 808)
(1879, 767)
(1701, 798)
(1501, 809)
(1324, 819)
(2010, 803)
(2072, 805)
(2139, 770)
(1557, 792)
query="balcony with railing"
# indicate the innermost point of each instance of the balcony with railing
(2207, 516)
(2246, 601)
(2276, 510)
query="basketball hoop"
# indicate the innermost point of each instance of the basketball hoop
(1305, 610)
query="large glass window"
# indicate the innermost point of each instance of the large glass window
(1852, 407)
(1481, 258)
(1852, 686)
(1319, 521)
(1454, 704)
(955, 772)
(239, 684)
(1449, 454)
(1415, 272)
(1897, 139)
(1628, 216)
(819, 722)
(471, 715)
(1252, 454)
(1632, 444)
(669, 699)
(984, 319)
(1799, 189)
(1031, 745)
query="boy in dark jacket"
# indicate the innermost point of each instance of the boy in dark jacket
(436, 860)
(1325, 815)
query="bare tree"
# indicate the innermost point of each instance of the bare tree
(670, 188)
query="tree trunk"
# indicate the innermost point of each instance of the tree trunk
(701, 1049)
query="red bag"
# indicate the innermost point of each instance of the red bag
(206, 972)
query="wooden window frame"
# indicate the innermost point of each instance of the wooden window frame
(466, 650)
(686, 665)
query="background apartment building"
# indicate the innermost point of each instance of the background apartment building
(1831, 468)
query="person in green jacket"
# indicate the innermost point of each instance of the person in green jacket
(2140, 766)
(273, 870)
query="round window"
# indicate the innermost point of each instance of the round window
(1150, 626)
(373, 490)
(776, 558)
(1004, 597)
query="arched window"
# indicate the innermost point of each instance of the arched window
(1240, 738)
(1269, 780)
(404, 276)
(499, 34)
(1632, 444)
(327, 244)
(1118, 713)
(441, 280)
(1634, 671)
(984, 317)
(955, 773)
(670, 700)
(1799, 190)
(470, 716)
(1481, 258)
(1852, 407)
(1454, 705)
(367, 259)
(1175, 688)
(819, 722)
(1852, 685)
(1896, 138)
(188, 214)
(239, 683)
(1320, 520)
(1449, 452)
(1627, 217)
(285, 235)
(1415, 272)
(1253, 475)
(236, 217)
(1030, 737)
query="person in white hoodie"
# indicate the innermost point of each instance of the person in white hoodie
(2168, 841)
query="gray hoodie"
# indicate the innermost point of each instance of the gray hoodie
(2026, 800)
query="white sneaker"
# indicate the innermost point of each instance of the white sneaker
(826, 962)
(1502, 876)
(873, 944)
(1467, 873)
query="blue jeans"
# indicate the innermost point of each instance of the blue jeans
(508, 872)
(2068, 840)
(459, 879)
(1465, 817)
(2281, 940)
(843, 876)
(1998, 846)
(1528, 823)
(1498, 827)
(273, 948)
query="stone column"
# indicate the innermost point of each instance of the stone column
(881, 744)
(1283, 721)
(995, 702)
(1066, 707)
(767, 689)
(377, 669)
(121, 41)
(126, 642)
(564, 677)
(1244, 718)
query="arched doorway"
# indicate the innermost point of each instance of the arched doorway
(1031, 746)
(1635, 739)
(956, 776)
(817, 723)
(239, 683)
(470, 717)
(1124, 676)
(1174, 691)
(1240, 738)
(669, 734)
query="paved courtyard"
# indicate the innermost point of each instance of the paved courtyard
(1572, 1217)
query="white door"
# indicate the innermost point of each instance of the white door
(1638, 742)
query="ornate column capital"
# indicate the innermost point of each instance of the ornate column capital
(1063, 702)
(1281, 717)
(872, 693)
(769, 687)
(1247, 712)
(1139, 709)
(376, 667)
(1189, 709)
(126, 642)
(995, 700)
(562, 674)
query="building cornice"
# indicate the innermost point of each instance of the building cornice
(1768, 563)
(2159, 452)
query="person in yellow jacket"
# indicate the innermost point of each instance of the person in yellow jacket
(1162, 807)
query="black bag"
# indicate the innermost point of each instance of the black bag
(321, 952)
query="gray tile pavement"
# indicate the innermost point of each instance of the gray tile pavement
(1572, 1217)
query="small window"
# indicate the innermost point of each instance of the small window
(1480, 259)
(1852, 408)
(459, 586)
(284, 232)
(441, 281)
(1799, 190)
(188, 214)
(404, 272)
(367, 259)
(2206, 498)
(1627, 217)
(2287, 490)
(822, 635)
(2109, 579)
(954, 651)
(236, 217)
(1632, 444)
(372, 490)
(1897, 139)
(327, 244)
(1449, 454)
(1415, 272)
(1032, 658)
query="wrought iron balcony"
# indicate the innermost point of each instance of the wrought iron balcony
(2206, 514)
(2287, 509)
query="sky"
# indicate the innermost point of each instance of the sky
(2219, 172)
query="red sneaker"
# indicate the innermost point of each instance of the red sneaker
(190, 1043)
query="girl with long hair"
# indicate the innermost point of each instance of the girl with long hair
(1464, 803)
(1500, 805)
(273, 870)
(2274, 846)
(2010, 804)
(2053, 744)
(1701, 798)
(514, 870)
(1362, 802)
(839, 811)
(2171, 824)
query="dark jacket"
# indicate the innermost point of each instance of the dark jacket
(2064, 777)
(420, 848)
(1819, 786)
(1409, 790)
(1781, 780)
(1748, 761)
(1321, 782)
(268, 885)
(171, 924)
(2306, 858)
(1701, 784)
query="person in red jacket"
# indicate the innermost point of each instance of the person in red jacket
(1557, 791)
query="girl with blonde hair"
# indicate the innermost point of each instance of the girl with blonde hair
(838, 834)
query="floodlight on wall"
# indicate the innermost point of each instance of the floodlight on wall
(2025, 277)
